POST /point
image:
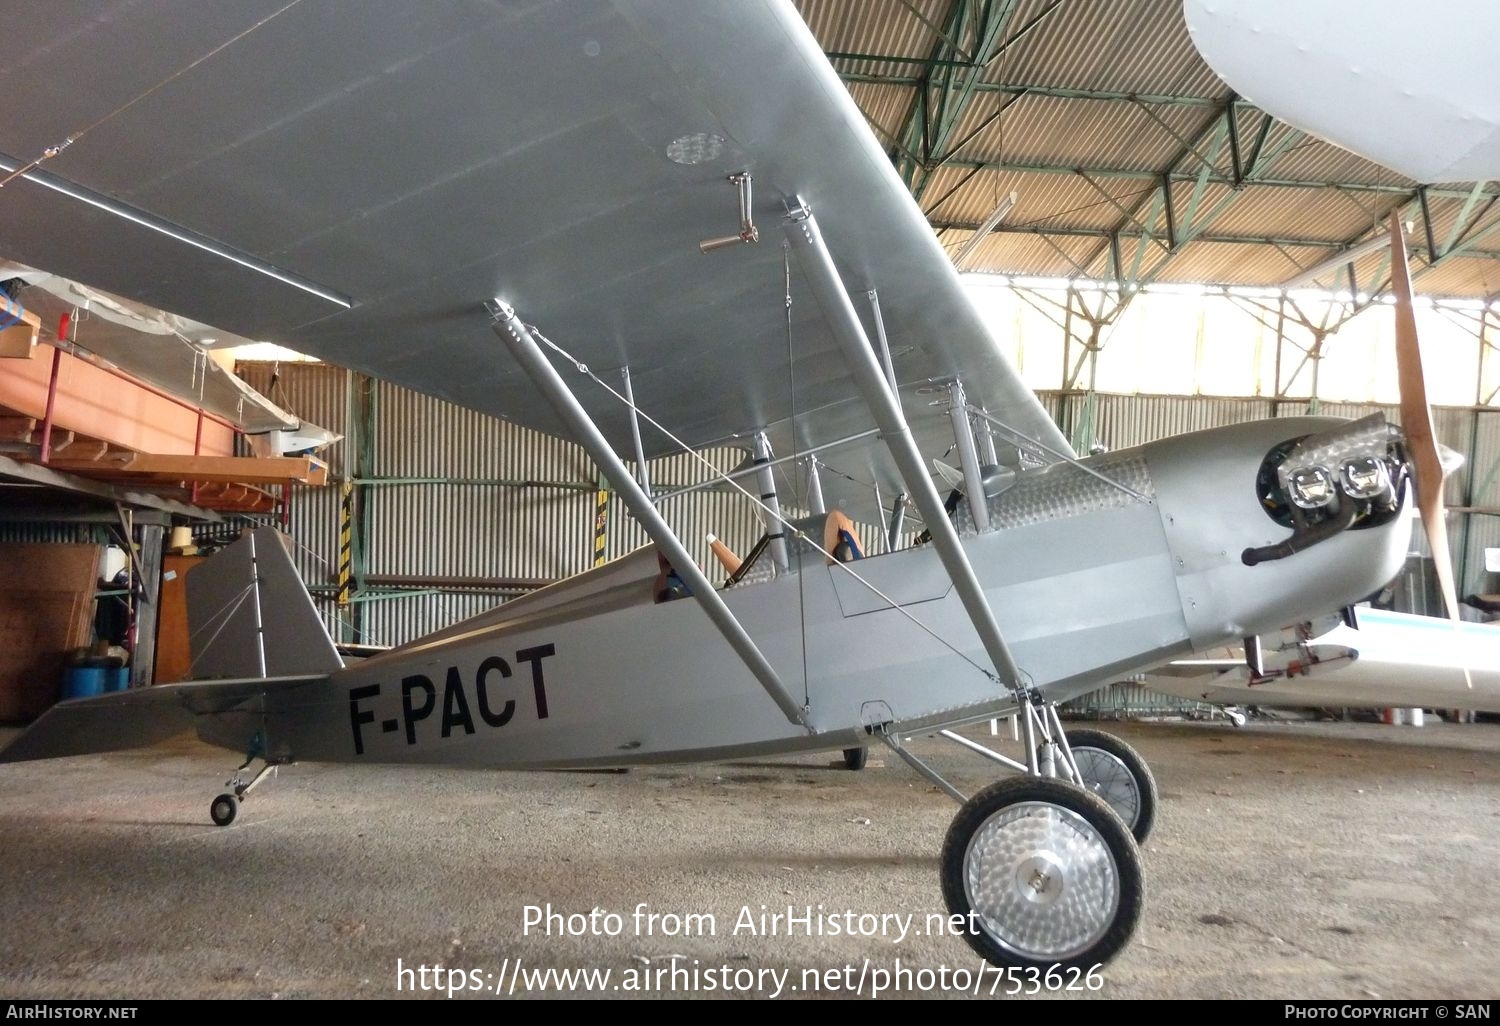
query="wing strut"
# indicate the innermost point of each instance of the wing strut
(814, 487)
(968, 456)
(898, 522)
(767, 482)
(817, 263)
(635, 433)
(523, 345)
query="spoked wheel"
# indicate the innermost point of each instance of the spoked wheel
(1116, 772)
(223, 808)
(855, 758)
(1049, 872)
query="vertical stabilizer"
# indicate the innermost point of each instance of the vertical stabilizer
(250, 616)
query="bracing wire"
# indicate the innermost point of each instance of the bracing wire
(52, 151)
(796, 532)
(223, 618)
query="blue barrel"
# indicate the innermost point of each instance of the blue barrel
(117, 678)
(83, 681)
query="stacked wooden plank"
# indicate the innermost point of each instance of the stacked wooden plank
(46, 611)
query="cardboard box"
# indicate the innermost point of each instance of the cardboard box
(22, 329)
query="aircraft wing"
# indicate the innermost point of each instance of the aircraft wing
(1389, 659)
(1193, 669)
(354, 180)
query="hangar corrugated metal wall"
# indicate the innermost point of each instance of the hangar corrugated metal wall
(461, 510)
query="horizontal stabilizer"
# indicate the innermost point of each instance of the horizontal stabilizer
(136, 718)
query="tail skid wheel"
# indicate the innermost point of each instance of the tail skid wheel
(1116, 772)
(1047, 875)
(223, 809)
(855, 758)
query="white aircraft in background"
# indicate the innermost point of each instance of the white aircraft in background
(1373, 658)
(1422, 99)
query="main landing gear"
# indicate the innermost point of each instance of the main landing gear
(226, 806)
(1046, 867)
(1111, 769)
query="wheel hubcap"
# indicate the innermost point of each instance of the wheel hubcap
(1041, 880)
(1108, 777)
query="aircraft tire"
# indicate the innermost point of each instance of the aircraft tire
(855, 758)
(1046, 873)
(223, 809)
(1115, 771)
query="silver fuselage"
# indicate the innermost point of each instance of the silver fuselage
(1086, 582)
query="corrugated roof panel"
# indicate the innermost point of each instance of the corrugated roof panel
(1056, 256)
(962, 195)
(1042, 200)
(884, 27)
(1189, 214)
(1296, 213)
(1124, 46)
(1073, 133)
(1230, 264)
(1138, 46)
(1470, 236)
(1311, 159)
(885, 106)
(1462, 276)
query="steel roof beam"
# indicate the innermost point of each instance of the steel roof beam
(1078, 231)
(956, 72)
(1036, 89)
(1462, 222)
(1214, 178)
(959, 87)
(914, 133)
(1191, 226)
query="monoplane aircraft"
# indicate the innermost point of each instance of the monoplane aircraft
(654, 226)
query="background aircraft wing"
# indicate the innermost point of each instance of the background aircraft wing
(1419, 95)
(353, 180)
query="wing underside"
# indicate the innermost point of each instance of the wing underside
(413, 160)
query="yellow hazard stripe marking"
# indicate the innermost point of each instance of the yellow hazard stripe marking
(601, 524)
(346, 543)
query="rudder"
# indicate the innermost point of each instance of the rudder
(250, 616)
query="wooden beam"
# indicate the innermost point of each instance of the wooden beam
(86, 450)
(60, 440)
(236, 498)
(16, 429)
(153, 467)
(113, 462)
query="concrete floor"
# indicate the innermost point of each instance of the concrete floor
(1289, 860)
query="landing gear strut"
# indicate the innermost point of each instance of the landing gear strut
(1046, 867)
(225, 807)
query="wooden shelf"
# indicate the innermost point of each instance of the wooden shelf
(160, 469)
